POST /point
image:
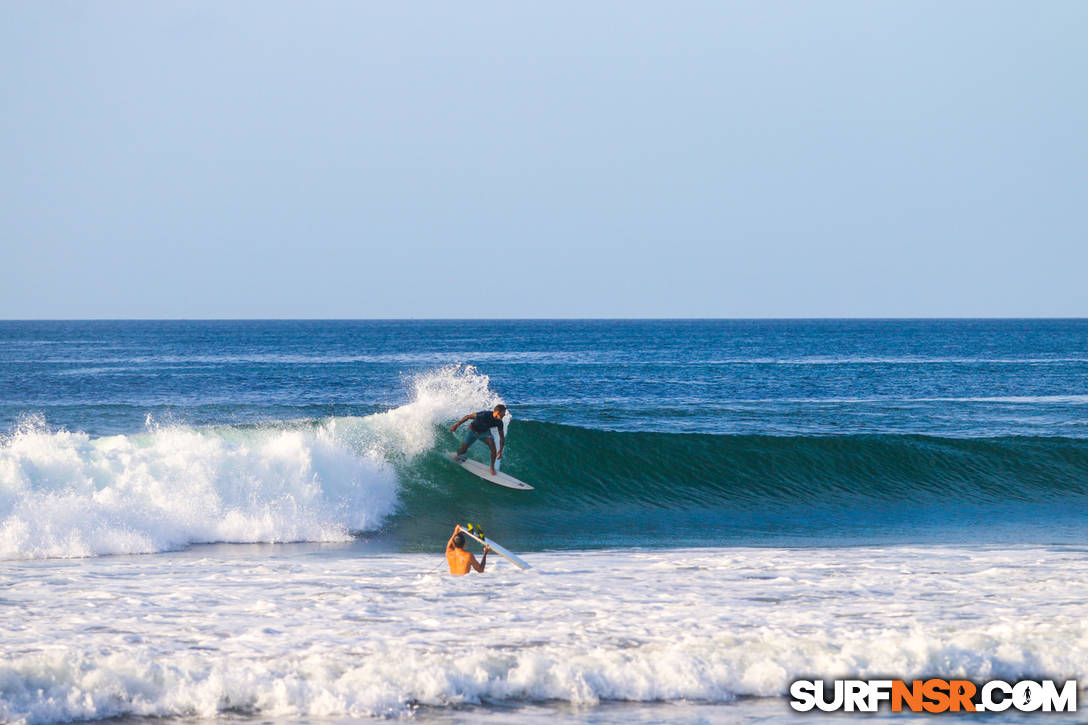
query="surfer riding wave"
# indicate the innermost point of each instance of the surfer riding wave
(480, 430)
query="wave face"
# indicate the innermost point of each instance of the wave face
(620, 488)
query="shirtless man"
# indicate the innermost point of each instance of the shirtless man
(480, 430)
(461, 561)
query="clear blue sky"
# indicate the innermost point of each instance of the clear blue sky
(551, 159)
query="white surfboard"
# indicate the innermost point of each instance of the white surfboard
(483, 470)
(500, 550)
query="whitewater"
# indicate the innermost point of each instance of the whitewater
(65, 494)
(335, 631)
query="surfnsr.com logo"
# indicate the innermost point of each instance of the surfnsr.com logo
(933, 695)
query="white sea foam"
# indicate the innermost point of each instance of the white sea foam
(65, 494)
(437, 396)
(336, 633)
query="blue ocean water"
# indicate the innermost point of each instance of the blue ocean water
(960, 378)
(691, 432)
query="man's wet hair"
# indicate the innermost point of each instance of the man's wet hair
(501, 408)
(459, 540)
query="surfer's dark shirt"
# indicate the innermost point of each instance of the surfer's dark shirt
(485, 421)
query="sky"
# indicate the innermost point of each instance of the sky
(755, 158)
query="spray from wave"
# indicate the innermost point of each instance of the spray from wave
(65, 494)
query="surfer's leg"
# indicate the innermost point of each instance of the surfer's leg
(470, 438)
(491, 444)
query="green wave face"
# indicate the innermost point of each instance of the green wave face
(599, 489)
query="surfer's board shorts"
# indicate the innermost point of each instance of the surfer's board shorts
(472, 436)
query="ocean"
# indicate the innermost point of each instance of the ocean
(245, 520)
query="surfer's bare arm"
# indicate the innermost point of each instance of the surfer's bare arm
(455, 426)
(479, 565)
(456, 530)
(491, 447)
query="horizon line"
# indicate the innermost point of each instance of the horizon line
(531, 319)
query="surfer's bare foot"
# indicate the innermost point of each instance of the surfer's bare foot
(493, 472)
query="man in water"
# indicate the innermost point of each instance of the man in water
(480, 430)
(461, 561)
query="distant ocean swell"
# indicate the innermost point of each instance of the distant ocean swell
(64, 494)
